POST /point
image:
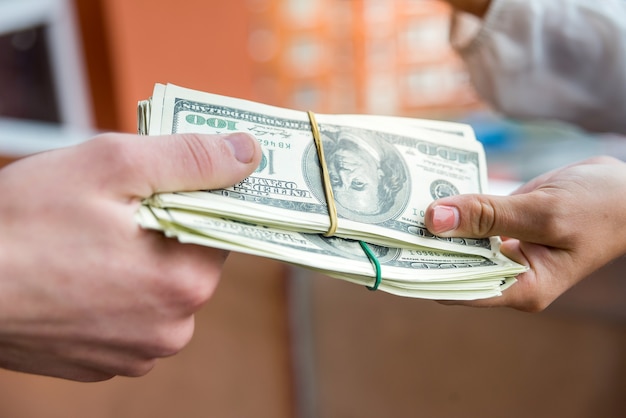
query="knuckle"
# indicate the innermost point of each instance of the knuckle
(163, 340)
(114, 150)
(191, 291)
(536, 291)
(138, 368)
(535, 305)
(200, 155)
(113, 153)
(173, 339)
(482, 219)
(555, 221)
(191, 278)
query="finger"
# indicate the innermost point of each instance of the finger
(25, 360)
(536, 288)
(182, 162)
(516, 295)
(481, 216)
(195, 162)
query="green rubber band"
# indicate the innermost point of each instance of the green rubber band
(370, 254)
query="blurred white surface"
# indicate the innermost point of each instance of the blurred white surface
(19, 138)
(502, 187)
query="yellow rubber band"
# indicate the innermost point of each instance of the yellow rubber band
(330, 200)
(328, 190)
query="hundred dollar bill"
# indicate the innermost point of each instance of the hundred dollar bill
(417, 272)
(384, 171)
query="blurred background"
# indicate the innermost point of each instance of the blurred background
(277, 341)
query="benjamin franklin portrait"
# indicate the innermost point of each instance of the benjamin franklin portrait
(369, 178)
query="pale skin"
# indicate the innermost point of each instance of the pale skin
(85, 293)
(563, 225)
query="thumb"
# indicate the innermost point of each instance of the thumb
(144, 165)
(481, 216)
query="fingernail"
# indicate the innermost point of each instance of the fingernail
(242, 146)
(445, 218)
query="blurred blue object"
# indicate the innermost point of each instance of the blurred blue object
(521, 150)
(495, 133)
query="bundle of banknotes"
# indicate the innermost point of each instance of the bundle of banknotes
(383, 171)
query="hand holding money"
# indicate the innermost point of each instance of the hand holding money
(84, 294)
(382, 172)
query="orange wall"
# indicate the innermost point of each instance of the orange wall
(200, 44)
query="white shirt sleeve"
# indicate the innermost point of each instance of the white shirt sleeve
(550, 59)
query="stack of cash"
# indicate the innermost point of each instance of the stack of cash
(383, 171)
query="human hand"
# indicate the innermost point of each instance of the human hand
(564, 225)
(85, 293)
(475, 7)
